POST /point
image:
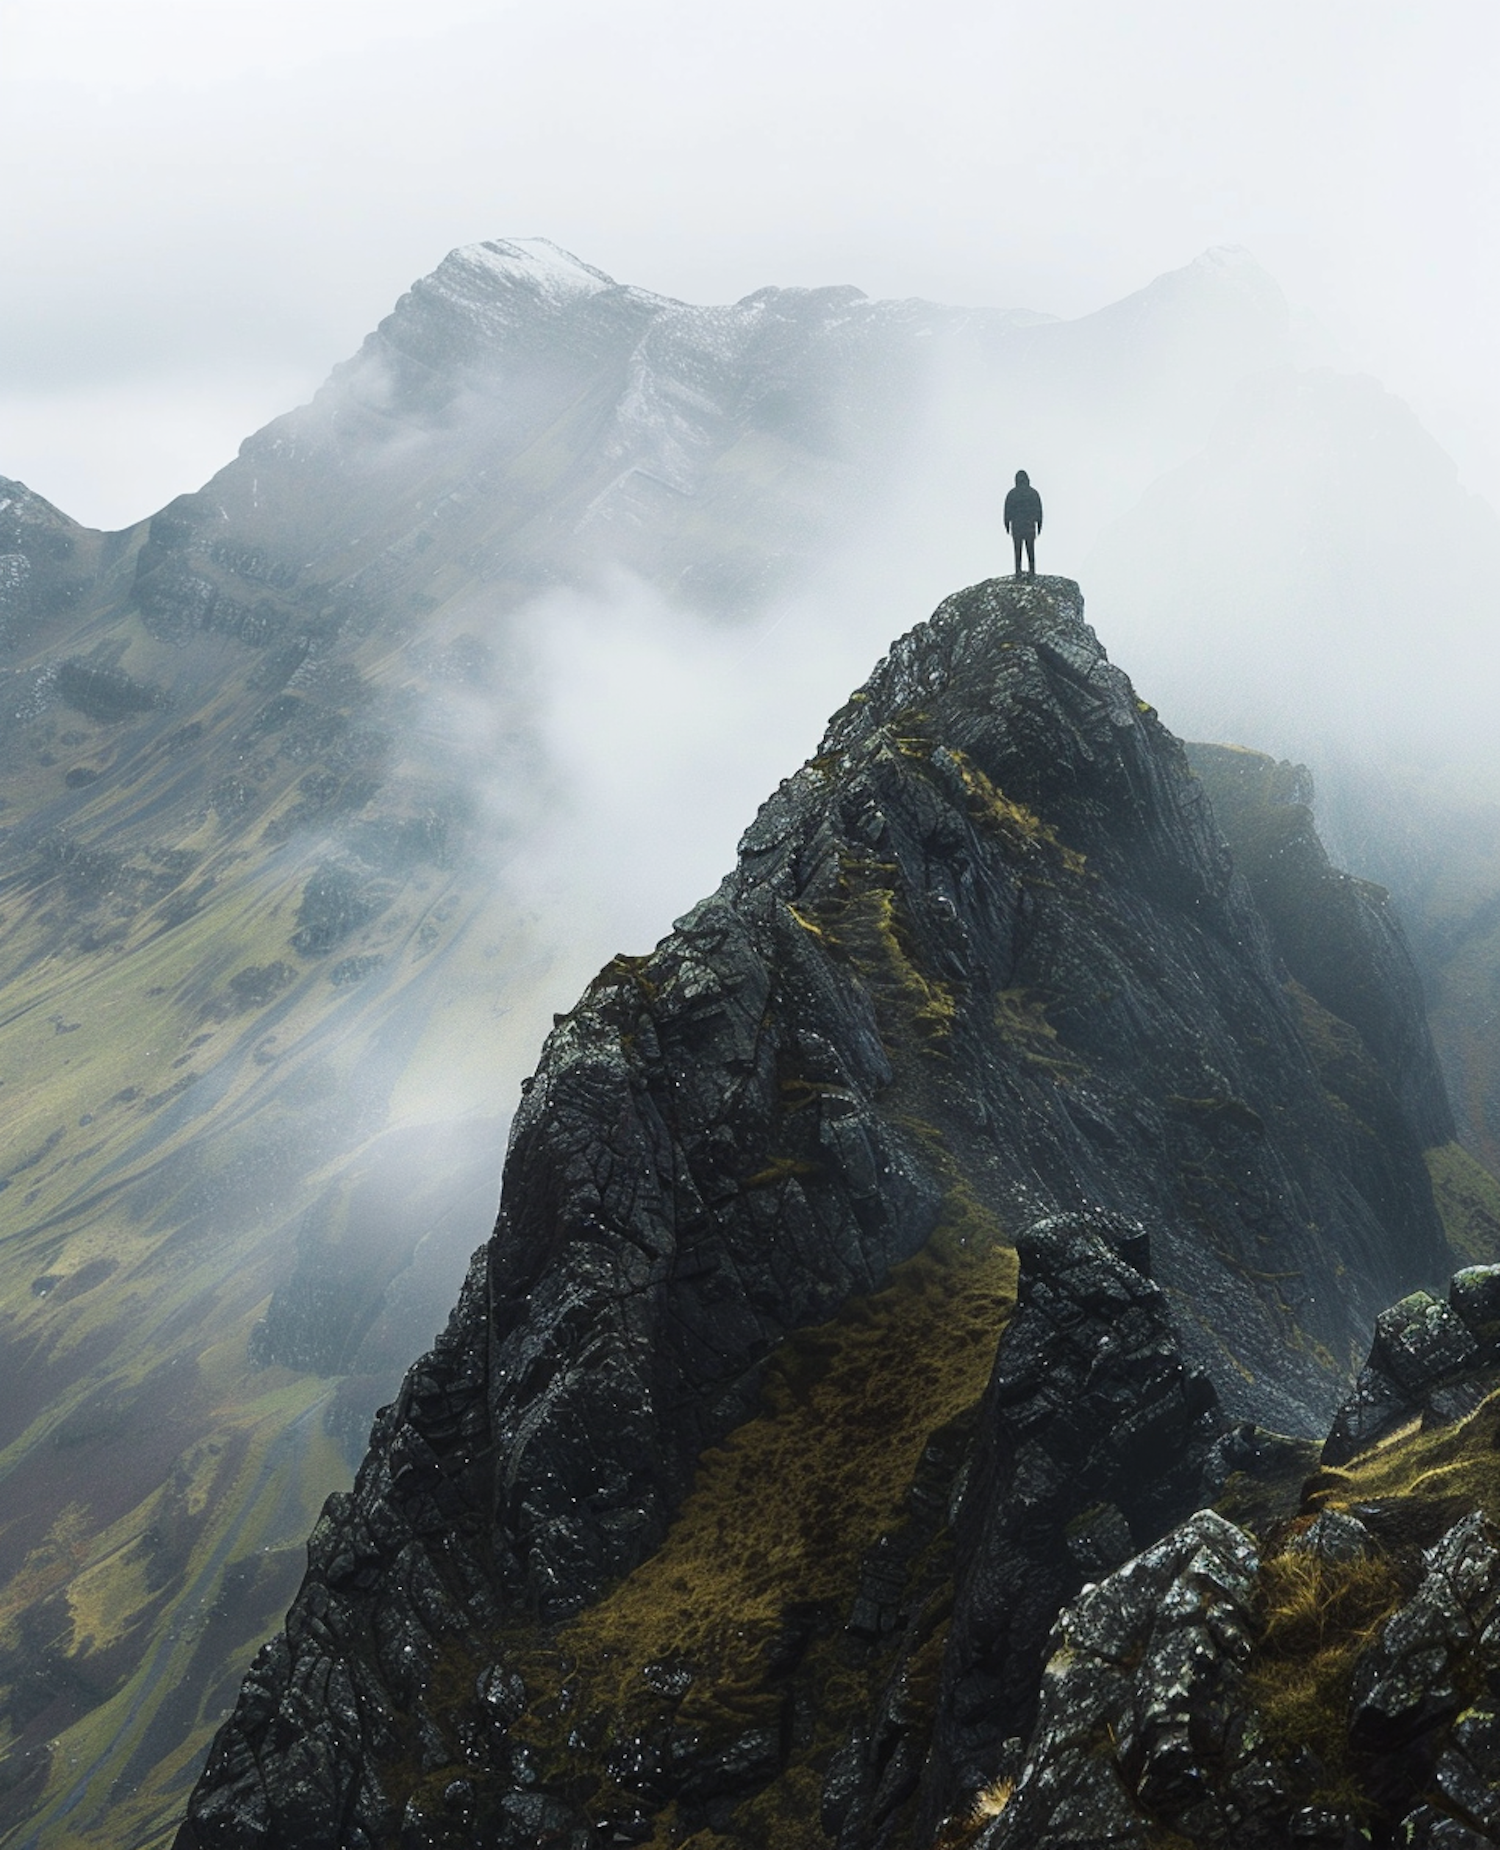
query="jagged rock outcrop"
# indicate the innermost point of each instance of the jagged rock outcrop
(1322, 1685)
(1429, 1360)
(984, 961)
(1151, 1716)
(1091, 1439)
(1144, 1722)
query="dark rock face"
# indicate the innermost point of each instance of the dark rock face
(1411, 1679)
(987, 948)
(1148, 1720)
(1116, 792)
(1143, 1718)
(1429, 1361)
(1422, 1706)
(1092, 1437)
(670, 1227)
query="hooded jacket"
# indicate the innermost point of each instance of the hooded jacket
(1023, 506)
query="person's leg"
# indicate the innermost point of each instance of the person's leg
(1016, 537)
(1030, 555)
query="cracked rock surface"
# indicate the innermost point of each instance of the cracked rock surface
(1147, 1722)
(1429, 1360)
(1091, 1438)
(1142, 1719)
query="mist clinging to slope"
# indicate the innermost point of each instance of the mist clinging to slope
(657, 736)
(1279, 555)
(1316, 582)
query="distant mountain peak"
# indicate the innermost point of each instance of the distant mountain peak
(496, 285)
(537, 262)
(1220, 257)
(1233, 269)
(23, 505)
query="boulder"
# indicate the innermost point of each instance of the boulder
(1141, 1722)
(1411, 1680)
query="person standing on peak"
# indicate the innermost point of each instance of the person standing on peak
(1023, 519)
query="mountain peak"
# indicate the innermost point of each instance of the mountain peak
(481, 293)
(1225, 257)
(983, 992)
(1232, 269)
(537, 263)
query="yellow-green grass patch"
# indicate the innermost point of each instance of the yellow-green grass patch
(775, 1526)
(1319, 1616)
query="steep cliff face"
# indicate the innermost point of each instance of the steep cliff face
(1338, 935)
(48, 564)
(1436, 846)
(1342, 944)
(713, 1507)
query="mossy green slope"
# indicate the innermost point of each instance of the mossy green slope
(172, 1138)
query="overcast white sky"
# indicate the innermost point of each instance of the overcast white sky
(209, 202)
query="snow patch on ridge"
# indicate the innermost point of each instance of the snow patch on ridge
(555, 274)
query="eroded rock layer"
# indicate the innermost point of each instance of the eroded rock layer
(715, 1477)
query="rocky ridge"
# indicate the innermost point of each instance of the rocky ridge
(255, 891)
(984, 981)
